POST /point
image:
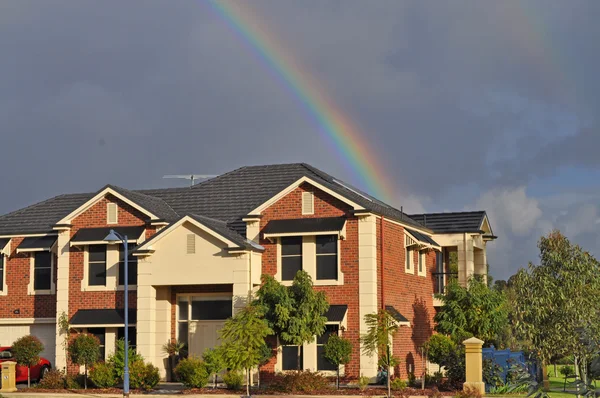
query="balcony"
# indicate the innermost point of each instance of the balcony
(441, 280)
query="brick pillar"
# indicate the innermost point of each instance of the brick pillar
(474, 365)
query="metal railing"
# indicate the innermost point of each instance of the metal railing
(441, 280)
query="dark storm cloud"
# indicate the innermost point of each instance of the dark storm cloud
(464, 101)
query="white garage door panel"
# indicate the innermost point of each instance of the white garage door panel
(44, 332)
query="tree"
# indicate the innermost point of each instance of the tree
(447, 353)
(556, 305)
(380, 333)
(472, 311)
(84, 349)
(26, 351)
(63, 328)
(295, 313)
(337, 351)
(214, 362)
(243, 340)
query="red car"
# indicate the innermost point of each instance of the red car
(37, 372)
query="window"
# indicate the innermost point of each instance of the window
(132, 336)
(1, 272)
(112, 213)
(327, 257)
(6, 354)
(191, 244)
(308, 203)
(291, 257)
(289, 357)
(322, 363)
(183, 306)
(97, 265)
(132, 264)
(422, 262)
(210, 310)
(100, 333)
(42, 271)
(409, 259)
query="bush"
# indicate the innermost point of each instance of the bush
(192, 373)
(363, 383)
(492, 373)
(567, 370)
(398, 384)
(74, 382)
(103, 375)
(300, 382)
(143, 376)
(117, 360)
(468, 392)
(233, 380)
(54, 380)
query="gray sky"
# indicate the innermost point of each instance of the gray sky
(468, 104)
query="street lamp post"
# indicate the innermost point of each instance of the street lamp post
(115, 237)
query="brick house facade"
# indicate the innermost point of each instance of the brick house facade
(200, 250)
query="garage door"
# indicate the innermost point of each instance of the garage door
(45, 332)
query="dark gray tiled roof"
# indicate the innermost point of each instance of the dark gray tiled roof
(222, 229)
(459, 222)
(422, 237)
(395, 314)
(303, 225)
(98, 234)
(227, 198)
(103, 317)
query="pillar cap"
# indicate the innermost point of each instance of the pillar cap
(473, 341)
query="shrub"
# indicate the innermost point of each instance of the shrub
(300, 382)
(492, 373)
(103, 375)
(566, 370)
(117, 360)
(143, 376)
(468, 392)
(214, 362)
(233, 380)
(54, 380)
(74, 382)
(192, 372)
(398, 384)
(26, 351)
(363, 383)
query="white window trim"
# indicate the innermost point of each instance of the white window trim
(112, 265)
(205, 296)
(30, 290)
(4, 262)
(423, 258)
(409, 261)
(309, 264)
(121, 288)
(110, 205)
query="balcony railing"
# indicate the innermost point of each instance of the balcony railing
(441, 280)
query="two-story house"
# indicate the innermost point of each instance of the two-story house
(196, 253)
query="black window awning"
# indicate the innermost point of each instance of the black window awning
(304, 226)
(37, 244)
(3, 244)
(336, 313)
(422, 238)
(396, 315)
(97, 235)
(102, 317)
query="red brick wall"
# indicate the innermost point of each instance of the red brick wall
(95, 217)
(410, 294)
(18, 276)
(290, 207)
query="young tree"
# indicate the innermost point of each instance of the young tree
(338, 351)
(84, 349)
(214, 362)
(380, 333)
(63, 328)
(556, 305)
(295, 313)
(243, 338)
(26, 351)
(473, 311)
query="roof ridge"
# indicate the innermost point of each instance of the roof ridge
(447, 213)
(217, 177)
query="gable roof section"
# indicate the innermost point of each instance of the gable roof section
(216, 228)
(457, 222)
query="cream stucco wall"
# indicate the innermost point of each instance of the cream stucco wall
(367, 284)
(471, 250)
(62, 294)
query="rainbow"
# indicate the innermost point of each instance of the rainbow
(334, 124)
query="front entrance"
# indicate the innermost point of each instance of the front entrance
(200, 317)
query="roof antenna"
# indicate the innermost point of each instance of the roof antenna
(191, 177)
(401, 213)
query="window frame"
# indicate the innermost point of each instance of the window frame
(322, 344)
(410, 260)
(89, 263)
(102, 345)
(321, 255)
(284, 256)
(31, 286)
(422, 267)
(132, 261)
(187, 297)
(3, 283)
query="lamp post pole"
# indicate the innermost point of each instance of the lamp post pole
(126, 302)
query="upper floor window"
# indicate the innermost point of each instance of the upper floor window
(291, 257)
(132, 265)
(422, 262)
(42, 271)
(112, 213)
(97, 265)
(409, 259)
(327, 257)
(2, 272)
